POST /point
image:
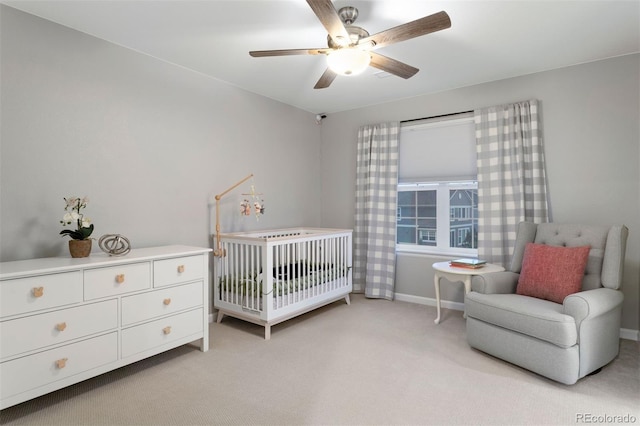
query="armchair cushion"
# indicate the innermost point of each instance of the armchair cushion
(530, 316)
(552, 272)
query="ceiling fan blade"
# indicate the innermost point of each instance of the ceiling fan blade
(428, 24)
(288, 52)
(329, 18)
(392, 66)
(326, 79)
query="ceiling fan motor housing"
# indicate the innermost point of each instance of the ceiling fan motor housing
(355, 35)
(348, 14)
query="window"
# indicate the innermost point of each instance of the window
(417, 216)
(437, 190)
(427, 211)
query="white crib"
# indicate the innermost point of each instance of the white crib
(271, 276)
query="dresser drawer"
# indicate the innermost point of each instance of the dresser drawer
(161, 332)
(115, 280)
(36, 370)
(146, 306)
(24, 295)
(178, 270)
(38, 331)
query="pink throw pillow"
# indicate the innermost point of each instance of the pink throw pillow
(552, 272)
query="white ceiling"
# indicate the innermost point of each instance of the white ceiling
(488, 40)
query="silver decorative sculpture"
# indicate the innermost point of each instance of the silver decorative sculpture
(114, 244)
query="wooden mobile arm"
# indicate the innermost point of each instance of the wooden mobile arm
(219, 252)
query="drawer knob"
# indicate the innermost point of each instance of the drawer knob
(120, 278)
(61, 326)
(180, 269)
(38, 291)
(166, 330)
(61, 363)
(166, 301)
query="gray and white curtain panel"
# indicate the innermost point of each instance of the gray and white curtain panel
(374, 236)
(512, 183)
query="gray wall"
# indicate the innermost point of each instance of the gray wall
(150, 144)
(591, 133)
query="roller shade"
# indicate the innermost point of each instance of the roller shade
(438, 150)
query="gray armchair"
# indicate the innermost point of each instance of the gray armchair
(563, 342)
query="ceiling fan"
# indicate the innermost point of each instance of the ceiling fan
(351, 49)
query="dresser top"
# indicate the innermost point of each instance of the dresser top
(49, 265)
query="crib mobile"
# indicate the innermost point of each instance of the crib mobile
(246, 204)
(249, 201)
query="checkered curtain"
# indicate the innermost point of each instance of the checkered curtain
(374, 235)
(511, 176)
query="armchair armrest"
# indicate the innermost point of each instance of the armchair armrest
(495, 282)
(590, 304)
(597, 315)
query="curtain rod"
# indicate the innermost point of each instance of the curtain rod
(436, 116)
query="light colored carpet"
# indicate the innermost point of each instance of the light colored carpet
(374, 362)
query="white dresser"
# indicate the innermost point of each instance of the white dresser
(64, 320)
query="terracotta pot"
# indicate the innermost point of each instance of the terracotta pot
(80, 248)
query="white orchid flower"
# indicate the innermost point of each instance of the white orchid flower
(70, 217)
(71, 201)
(86, 222)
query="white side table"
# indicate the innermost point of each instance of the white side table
(452, 273)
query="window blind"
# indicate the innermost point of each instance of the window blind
(438, 150)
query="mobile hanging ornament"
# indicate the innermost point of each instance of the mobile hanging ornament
(252, 200)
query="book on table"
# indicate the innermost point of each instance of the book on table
(468, 263)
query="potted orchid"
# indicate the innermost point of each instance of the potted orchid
(80, 243)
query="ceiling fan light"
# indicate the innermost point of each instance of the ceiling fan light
(348, 61)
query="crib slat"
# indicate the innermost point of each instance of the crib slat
(330, 263)
(323, 263)
(308, 269)
(244, 274)
(249, 282)
(252, 279)
(235, 274)
(316, 263)
(342, 262)
(254, 282)
(276, 277)
(287, 280)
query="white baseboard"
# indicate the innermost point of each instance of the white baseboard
(629, 334)
(625, 333)
(456, 306)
